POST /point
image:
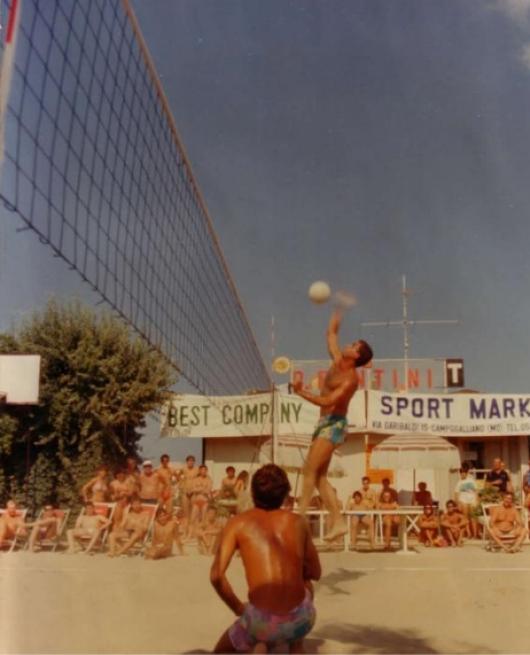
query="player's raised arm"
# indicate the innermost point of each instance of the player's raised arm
(332, 334)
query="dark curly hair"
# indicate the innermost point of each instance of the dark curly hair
(269, 486)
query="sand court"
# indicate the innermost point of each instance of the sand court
(440, 601)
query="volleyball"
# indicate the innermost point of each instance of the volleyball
(319, 292)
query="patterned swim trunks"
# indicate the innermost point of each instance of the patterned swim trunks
(332, 428)
(256, 625)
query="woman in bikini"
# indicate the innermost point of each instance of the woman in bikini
(97, 488)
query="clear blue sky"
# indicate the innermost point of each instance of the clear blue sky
(351, 142)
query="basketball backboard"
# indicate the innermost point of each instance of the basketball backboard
(19, 379)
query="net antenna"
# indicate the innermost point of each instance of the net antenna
(405, 323)
(94, 165)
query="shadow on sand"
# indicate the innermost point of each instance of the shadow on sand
(332, 580)
(379, 640)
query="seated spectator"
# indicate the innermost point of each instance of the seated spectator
(466, 496)
(453, 523)
(386, 487)
(498, 478)
(423, 496)
(428, 525)
(133, 528)
(97, 488)
(11, 523)
(368, 494)
(151, 484)
(363, 521)
(389, 520)
(119, 511)
(228, 484)
(208, 532)
(119, 487)
(45, 528)
(505, 522)
(165, 533)
(87, 526)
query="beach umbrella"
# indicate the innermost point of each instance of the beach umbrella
(415, 451)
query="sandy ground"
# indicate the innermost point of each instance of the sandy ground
(438, 601)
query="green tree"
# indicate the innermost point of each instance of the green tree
(97, 385)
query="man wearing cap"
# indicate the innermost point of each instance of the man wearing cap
(151, 484)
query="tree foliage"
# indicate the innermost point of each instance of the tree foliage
(97, 385)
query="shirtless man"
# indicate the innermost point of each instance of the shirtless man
(165, 532)
(152, 485)
(185, 481)
(358, 521)
(428, 525)
(11, 522)
(201, 493)
(119, 487)
(45, 528)
(280, 561)
(506, 521)
(453, 524)
(88, 526)
(132, 476)
(389, 520)
(208, 532)
(167, 475)
(133, 527)
(340, 384)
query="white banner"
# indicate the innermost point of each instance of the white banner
(247, 416)
(459, 415)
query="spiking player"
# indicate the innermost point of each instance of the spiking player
(340, 384)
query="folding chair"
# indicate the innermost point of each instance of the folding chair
(489, 543)
(53, 542)
(107, 511)
(19, 539)
(149, 509)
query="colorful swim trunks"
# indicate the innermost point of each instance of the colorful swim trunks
(332, 428)
(256, 625)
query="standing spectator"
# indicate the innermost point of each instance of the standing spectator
(132, 476)
(423, 496)
(151, 485)
(453, 523)
(201, 494)
(389, 520)
(428, 525)
(357, 504)
(119, 486)
(166, 475)
(97, 488)
(498, 478)
(386, 487)
(186, 477)
(241, 489)
(466, 496)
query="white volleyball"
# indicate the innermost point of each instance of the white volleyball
(319, 292)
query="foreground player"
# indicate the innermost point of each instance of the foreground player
(340, 384)
(280, 561)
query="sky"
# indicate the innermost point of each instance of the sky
(352, 142)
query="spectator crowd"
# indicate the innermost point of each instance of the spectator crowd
(155, 511)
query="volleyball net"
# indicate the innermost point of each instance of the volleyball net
(94, 165)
